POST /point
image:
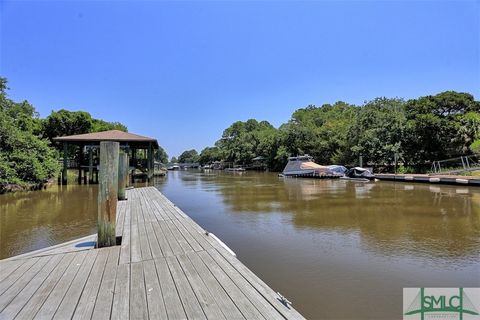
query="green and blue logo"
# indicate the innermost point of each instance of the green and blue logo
(441, 303)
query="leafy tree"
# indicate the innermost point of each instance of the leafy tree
(174, 160)
(243, 141)
(440, 126)
(189, 156)
(161, 155)
(101, 125)
(475, 146)
(209, 155)
(25, 158)
(377, 131)
(320, 132)
(65, 123)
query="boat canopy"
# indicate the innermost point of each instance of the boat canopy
(304, 165)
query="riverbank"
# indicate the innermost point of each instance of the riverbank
(17, 187)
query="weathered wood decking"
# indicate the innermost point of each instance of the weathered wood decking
(166, 268)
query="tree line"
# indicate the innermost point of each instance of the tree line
(28, 156)
(418, 131)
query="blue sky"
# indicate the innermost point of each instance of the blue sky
(183, 71)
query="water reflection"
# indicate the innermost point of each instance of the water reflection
(394, 218)
(38, 219)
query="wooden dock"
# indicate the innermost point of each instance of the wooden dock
(434, 179)
(166, 267)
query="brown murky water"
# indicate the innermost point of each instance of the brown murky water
(336, 249)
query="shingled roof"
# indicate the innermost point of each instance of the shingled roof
(111, 135)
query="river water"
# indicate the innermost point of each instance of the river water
(336, 249)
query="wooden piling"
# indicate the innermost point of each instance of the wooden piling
(65, 163)
(150, 161)
(80, 160)
(122, 174)
(107, 193)
(90, 165)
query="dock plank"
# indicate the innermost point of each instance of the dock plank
(156, 305)
(126, 238)
(138, 299)
(36, 301)
(170, 294)
(204, 297)
(29, 289)
(7, 267)
(18, 286)
(103, 303)
(267, 293)
(144, 243)
(162, 240)
(152, 240)
(245, 306)
(178, 237)
(221, 297)
(121, 296)
(173, 243)
(49, 307)
(67, 307)
(189, 300)
(15, 275)
(87, 300)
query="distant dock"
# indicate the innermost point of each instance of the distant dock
(433, 179)
(167, 267)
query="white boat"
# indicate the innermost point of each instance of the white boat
(303, 166)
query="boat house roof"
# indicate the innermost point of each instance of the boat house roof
(131, 139)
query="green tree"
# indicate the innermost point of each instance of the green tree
(377, 131)
(65, 123)
(25, 158)
(101, 125)
(441, 126)
(209, 155)
(161, 155)
(243, 141)
(475, 146)
(320, 132)
(189, 156)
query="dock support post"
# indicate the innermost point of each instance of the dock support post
(65, 163)
(134, 164)
(149, 161)
(122, 174)
(107, 193)
(90, 165)
(80, 160)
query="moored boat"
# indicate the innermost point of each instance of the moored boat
(359, 173)
(304, 166)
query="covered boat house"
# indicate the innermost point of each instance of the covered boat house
(140, 150)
